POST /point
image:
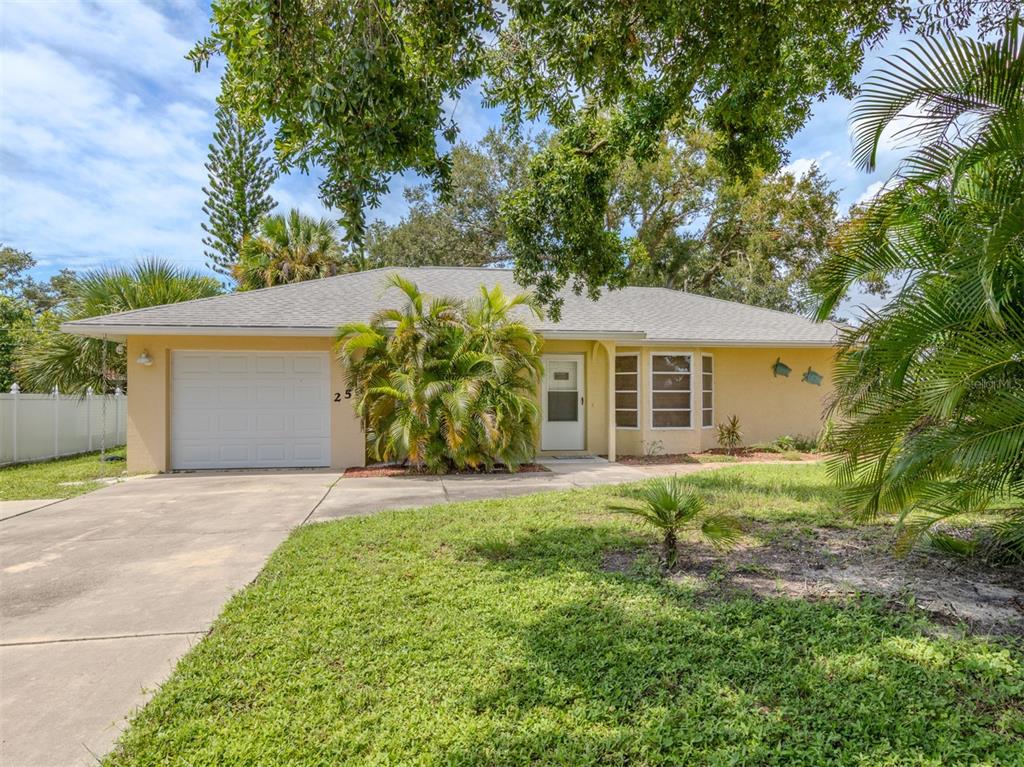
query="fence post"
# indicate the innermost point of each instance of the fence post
(56, 422)
(14, 421)
(88, 415)
(117, 415)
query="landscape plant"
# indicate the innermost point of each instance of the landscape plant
(443, 384)
(929, 407)
(669, 505)
(729, 435)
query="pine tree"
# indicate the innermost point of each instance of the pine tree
(237, 197)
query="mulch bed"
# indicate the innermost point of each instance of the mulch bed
(396, 470)
(741, 456)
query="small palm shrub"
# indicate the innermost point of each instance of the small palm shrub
(729, 435)
(668, 505)
(443, 384)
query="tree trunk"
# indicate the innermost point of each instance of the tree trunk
(671, 550)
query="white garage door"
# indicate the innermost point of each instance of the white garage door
(250, 409)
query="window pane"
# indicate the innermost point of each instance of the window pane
(670, 382)
(709, 418)
(625, 382)
(707, 364)
(671, 400)
(707, 382)
(562, 375)
(625, 401)
(671, 418)
(675, 363)
(708, 399)
(563, 406)
(626, 364)
(626, 419)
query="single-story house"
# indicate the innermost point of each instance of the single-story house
(249, 379)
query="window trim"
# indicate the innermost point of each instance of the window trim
(714, 374)
(639, 408)
(650, 388)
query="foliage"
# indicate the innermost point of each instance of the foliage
(444, 384)
(291, 248)
(669, 505)
(696, 228)
(930, 388)
(74, 363)
(26, 306)
(364, 91)
(489, 633)
(59, 478)
(238, 193)
(464, 229)
(729, 435)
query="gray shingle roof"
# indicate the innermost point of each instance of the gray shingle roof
(317, 307)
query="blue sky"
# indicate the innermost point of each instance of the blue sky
(104, 129)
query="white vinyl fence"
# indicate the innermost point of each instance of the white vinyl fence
(34, 427)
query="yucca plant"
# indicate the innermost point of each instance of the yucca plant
(729, 435)
(668, 505)
(930, 388)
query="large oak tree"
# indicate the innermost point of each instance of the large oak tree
(364, 90)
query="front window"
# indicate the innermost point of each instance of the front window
(707, 391)
(627, 391)
(671, 388)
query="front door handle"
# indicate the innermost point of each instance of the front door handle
(581, 400)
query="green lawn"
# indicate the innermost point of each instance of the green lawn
(46, 479)
(489, 634)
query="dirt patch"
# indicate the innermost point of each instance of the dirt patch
(396, 470)
(829, 563)
(709, 456)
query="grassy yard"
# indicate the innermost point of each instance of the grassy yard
(495, 633)
(49, 479)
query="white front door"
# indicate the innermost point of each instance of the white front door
(562, 398)
(235, 410)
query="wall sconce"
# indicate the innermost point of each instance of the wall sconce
(812, 377)
(780, 368)
(144, 358)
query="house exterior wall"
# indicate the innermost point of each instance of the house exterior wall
(767, 407)
(149, 413)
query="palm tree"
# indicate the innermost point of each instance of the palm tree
(667, 505)
(290, 248)
(445, 385)
(73, 363)
(930, 388)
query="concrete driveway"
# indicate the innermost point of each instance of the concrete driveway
(101, 594)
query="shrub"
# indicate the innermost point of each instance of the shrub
(668, 505)
(729, 435)
(444, 384)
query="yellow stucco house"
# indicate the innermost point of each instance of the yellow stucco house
(249, 380)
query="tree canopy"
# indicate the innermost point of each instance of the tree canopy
(366, 90)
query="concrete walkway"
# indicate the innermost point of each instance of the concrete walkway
(101, 594)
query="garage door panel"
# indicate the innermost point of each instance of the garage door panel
(193, 364)
(250, 409)
(308, 363)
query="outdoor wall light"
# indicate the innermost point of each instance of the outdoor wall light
(812, 377)
(780, 368)
(144, 358)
